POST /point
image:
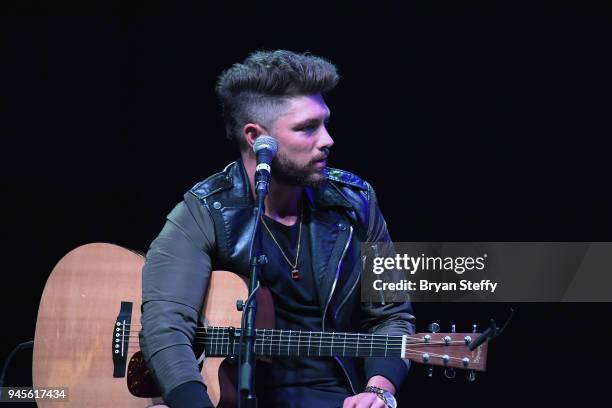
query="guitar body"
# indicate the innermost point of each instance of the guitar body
(75, 343)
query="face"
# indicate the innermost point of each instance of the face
(303, 142)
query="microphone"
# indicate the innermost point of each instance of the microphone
(265, 148)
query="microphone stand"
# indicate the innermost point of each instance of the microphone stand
(246, 391)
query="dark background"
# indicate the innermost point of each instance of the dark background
(474, 123)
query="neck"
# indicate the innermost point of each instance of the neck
(282, 202)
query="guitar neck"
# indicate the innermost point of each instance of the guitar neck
(272, 342)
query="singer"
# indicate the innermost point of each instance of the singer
(315, 219)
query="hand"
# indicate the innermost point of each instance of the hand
(364, 400)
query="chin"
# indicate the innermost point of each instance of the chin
(316, 179)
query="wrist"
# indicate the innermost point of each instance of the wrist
(379, 381)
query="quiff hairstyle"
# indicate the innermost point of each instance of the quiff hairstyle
(258, 89)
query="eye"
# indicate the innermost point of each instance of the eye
(308, 128)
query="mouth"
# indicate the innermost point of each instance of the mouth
(321, 163)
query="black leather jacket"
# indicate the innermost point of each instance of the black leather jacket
(209, 230)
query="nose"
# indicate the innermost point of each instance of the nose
(325, 140)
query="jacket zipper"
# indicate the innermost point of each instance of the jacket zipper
(329, 300)
(333, 288)
(347, 296)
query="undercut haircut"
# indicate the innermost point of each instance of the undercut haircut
(258, 89)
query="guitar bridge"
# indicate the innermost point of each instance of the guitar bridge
(121, 338)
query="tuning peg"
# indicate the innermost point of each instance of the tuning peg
(434, 327)
(471, 376)
(474, 328)
(453, 328)
(430, 371)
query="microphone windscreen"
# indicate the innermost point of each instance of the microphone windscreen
(265, 142)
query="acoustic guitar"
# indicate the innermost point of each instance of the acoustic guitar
(89, 317)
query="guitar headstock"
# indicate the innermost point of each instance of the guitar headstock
(448, 350)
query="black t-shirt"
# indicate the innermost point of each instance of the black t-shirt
(297, 307)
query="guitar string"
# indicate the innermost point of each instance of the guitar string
(298, 333)
(219, 329)
(224, 329)
(314, 340)
(211, 344)
(281, 343)
(326, 336)
(218, 338)
(331, 344)
(215, 331)
(348, 351)
(419, 353)
(407, 350)
(363, 337)
(218, 345)
(326, 343)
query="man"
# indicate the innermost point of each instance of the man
(315, 220)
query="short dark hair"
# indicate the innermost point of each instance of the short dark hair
(257, 89)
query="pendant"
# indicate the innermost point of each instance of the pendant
(295, 274)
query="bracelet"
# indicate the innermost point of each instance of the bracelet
(378, 391)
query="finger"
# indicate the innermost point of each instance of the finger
(368, 400)
(349, 402)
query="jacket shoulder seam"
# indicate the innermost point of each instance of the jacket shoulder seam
(345, 177)
(213, 184)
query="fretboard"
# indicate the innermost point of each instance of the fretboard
(270, 342)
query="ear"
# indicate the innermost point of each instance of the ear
(252, 131)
